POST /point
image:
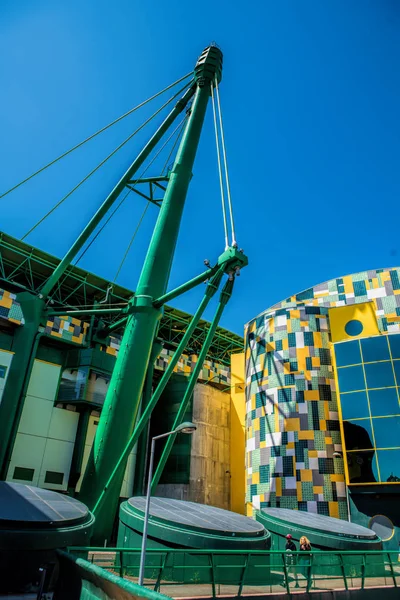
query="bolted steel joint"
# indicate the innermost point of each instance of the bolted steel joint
(208, 66)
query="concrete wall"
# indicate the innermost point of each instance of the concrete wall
(210, 455)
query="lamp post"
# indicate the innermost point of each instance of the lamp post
(188, 428)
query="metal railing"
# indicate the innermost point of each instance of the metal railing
(191, 573)
(81, 580)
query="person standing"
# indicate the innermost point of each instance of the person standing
(305, 557)
(290, 558)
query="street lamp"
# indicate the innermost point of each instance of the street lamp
(188, 428)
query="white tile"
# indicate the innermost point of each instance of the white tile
(44, 379)
(28, 453)
(63, 425)
(57, 457)
(36, 416)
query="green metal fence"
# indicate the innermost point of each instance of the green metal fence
(180, 572)
(82, 580)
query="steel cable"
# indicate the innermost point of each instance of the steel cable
(102, 163)
(132, 110)
(181, 125)
(228, 187)
(221, 183)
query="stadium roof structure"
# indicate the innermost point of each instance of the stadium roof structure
(25, 268)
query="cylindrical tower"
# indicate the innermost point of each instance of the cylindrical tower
(294, 427)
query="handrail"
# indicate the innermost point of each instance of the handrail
(276, 569)
(220, 551)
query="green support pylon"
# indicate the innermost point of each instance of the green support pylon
(123, 397)
(24, 347)
(33, 306)
(224, 298)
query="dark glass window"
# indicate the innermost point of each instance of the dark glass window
(394, 341)
(389, 465)
(383, 402)
(358, 434)
(347, 353)
(351, 379)
(387, 432)
(362, 467)
(54, 477)
(23, 474)
(396, 364)
(379, 375)
(354, 405)
(375, 348)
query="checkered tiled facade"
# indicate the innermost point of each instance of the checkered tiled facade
(10, 309)
(292, 423)
(211, 370)
(67, 328)
(74, 330)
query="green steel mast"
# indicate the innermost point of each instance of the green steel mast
(123, 397)
(34, 305)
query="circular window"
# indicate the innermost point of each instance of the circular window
(382, 526)
(353, 327)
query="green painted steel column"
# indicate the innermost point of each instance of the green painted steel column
(113, 195)
(225, 295)
(79, 448)
(123, 397)
(20, 369)
(211, 288)
(141, 456)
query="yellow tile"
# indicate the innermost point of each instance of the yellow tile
(318, 489)
(306, 435)
(290, 445)
(313, 453)
(295, 314)
(256, 424)
(6, 302)
(334, 509)
(348, 284)
(328, 440)
(337, 477)
(306, 475)
(322, 425)
(326, 410)
(317, 339)
(255, 478)
(311, 395)
(299, 491)
(292, 424)
(278, 486)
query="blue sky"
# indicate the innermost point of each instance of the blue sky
(310, 98)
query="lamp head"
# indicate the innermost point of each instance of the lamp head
(186, 427)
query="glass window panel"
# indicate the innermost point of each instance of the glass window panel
(383, 402)
(362, 467)
(389, 464)
(394, 341)
(354, 405)
(347, 353)
(379, 375)
(375, 348)
(387, 432)
(358, 435)
(351, 379)
(396, 364)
